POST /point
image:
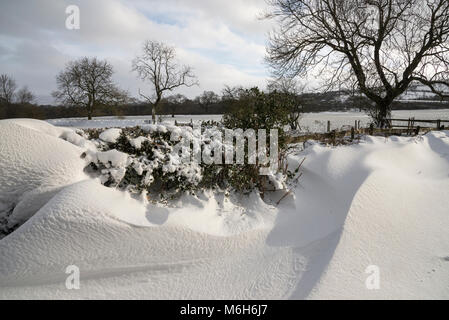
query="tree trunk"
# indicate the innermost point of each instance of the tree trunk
(153, 114)
(89, 113)
(153, 111)
(383, 114)
(90, 108)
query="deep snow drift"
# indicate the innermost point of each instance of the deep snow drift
(383, 202)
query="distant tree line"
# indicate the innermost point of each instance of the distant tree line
(15, 102)
(180, 105)
(85, 88)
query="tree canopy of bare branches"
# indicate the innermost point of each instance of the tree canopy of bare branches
(25, 96)
(157, 65)
(207, 99)
(286, 85)
(8, 88)
(175, 101)
(88, 82)
(289, 92)
(378, 47)
(231, 93)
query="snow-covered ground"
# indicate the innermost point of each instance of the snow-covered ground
(128, 121)
(383, 202)
(313, 122)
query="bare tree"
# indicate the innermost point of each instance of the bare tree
(158, 65)
(88, 82)
(8, 88)
(174, 101)
(207, 99)
(231, 93)
(290, 92)
(285, 85)
(25, 96)
(379, 46)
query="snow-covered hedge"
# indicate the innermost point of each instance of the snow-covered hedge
(147, 159)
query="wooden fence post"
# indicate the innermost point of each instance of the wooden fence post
(352, 133)
(371, 129)
(328, 126)
(408, 126)
(438, 124)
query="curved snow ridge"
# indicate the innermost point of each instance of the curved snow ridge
(395, 217)
(37, 125)
(401, 229)
(68, 134)
(34, 165)
(219, 215)
(76, 228)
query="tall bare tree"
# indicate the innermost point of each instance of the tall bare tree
(8, 88)
(229, 94)
(289, 90)
(380, 46)
(207, 99)
(285, 85)
(175, 101)
(88, 82)
(157, 65)
(24, 96)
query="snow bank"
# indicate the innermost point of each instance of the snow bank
(137, 142)
(112, 158)
(76, 139)
(110, 135)
(121, 254)
(382, 202)
(34, 165)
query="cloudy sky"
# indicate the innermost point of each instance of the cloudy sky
(224, 41)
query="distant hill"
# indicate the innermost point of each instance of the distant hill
(416, 97)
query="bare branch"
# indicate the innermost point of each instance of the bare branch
(25, 96)
(8, 88)
(384, 45)
(157, 65)
(88, 82)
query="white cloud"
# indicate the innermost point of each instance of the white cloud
(223, 41)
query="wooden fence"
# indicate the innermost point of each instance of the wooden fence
(413, 123)
(407, 127)
(410, 126)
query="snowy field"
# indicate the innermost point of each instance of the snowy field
(383, 202)
(313, 122)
